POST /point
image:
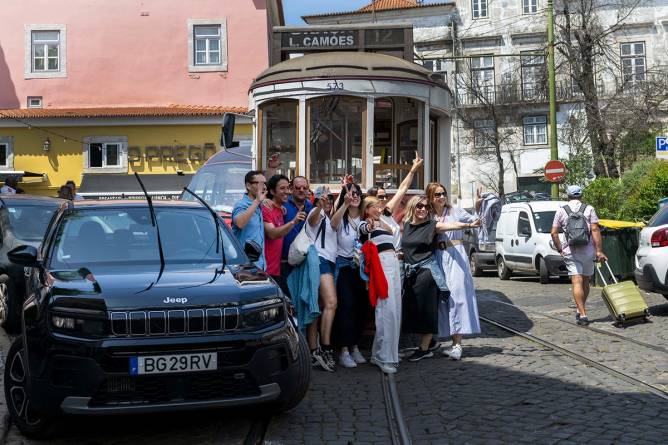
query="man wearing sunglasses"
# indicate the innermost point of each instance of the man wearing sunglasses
(247, 224)
(297, 202)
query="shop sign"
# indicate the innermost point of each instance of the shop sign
(133, 196)
(172, 153)
(320, 39)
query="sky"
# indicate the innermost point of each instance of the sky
(294, 9)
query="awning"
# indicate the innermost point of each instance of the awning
(125, 186)
(20, 174)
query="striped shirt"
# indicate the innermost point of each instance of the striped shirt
(376, 235)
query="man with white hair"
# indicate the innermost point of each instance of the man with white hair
(583, 246)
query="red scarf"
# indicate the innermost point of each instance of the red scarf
(377, 282)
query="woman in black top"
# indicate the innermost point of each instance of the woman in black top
(424, 278)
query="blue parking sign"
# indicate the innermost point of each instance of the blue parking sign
(661, 143)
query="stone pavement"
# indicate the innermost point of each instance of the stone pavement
(505, 390)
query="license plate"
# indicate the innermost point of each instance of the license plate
(165, 364)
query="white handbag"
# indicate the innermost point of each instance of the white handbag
(299, 247)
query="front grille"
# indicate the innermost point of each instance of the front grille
(166, 388)
(174, 322)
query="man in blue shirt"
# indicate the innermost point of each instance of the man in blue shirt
(297, 202)
(247, 224)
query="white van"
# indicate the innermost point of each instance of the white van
(523, 242)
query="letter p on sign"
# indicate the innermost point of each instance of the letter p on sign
(662, 147)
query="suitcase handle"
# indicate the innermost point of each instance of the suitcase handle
(598, 268)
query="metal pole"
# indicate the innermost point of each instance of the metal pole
(554, 151)
(456, 117)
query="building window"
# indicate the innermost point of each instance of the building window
(482, 78)
(479, 8)
(633, 61)
(105, 154)
(483, 133)
(207, 45)
(529, 6)
(34, 101)
(6, 153)
(534, 76)
(45, 51)
(535, 130)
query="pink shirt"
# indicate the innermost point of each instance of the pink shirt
(273, 247)
(559, 222)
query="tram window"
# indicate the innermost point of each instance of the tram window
(279, 135)
(336, 138)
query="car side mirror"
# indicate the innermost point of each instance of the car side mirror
(227, 134)
(253, 251)
(24, 256)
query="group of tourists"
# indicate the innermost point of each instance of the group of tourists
(413, 274)
(69, 191)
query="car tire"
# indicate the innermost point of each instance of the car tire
(11, 320)
(303, 379)
(476, 271)
(543, 271)
(501, 269)
(31, 423)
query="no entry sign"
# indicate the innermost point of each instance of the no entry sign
(555, 171)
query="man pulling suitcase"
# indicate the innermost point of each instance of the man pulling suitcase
(583, 246)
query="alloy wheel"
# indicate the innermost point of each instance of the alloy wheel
(18, 395)
(4, 309)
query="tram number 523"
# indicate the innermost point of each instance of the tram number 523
(335, 85)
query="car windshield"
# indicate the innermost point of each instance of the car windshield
(660, 218)
(29, 222)
(220, 185)
(90, 237)
(543, 221)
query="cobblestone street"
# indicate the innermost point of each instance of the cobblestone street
(505, 390)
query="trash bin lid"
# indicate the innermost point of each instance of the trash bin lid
(614, 224)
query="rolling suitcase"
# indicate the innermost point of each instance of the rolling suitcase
(623, 299)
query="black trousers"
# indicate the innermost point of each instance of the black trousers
(282, 281)
(352, 310)
(420, 303)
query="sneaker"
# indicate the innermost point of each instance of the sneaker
(419, 354)
(318, 357)
(329, 356)
(357, 356)
(387, 368)
(434, 345)
(346, 360)
(577, 317)
(583, 320)
(455, 352)
(407, 352)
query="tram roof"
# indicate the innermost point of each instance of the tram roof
(343, 64)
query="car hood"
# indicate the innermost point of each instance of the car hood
(178, 287)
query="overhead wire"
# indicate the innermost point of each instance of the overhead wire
(42, 129)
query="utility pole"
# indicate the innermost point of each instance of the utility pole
(554, 151)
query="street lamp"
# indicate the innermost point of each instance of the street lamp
(47, 144)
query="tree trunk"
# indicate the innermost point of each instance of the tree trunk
(499, 161)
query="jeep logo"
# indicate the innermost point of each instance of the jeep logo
(175, 300)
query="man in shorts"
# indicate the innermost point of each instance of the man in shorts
(579, 259)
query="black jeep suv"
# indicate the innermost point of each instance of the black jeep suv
(132, 308)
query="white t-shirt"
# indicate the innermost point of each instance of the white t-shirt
(346, 237)
(396, 230)
(331, 245)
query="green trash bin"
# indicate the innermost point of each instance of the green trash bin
(620, 242)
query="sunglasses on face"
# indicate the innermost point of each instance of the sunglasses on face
(258, 182)
(420, 206)
(382, 197)
(439, 195)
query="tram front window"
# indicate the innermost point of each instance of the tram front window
(335, 138)
(279, 135)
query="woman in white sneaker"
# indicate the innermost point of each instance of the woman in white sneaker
(353, 308)
(458, 315)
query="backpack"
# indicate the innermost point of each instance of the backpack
(576, 230)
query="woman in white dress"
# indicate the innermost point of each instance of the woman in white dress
(458, 315)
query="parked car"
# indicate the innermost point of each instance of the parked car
(651, 270)
(131, 317)
(524, 196)
(220, 181)
(23, 221)
(523, 241)
(482, 257)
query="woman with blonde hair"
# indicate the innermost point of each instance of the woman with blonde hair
(372, 229)
(424, 277)
(458, 315)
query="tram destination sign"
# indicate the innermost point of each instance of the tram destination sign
(320, 39)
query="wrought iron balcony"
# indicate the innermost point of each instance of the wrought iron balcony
(514, 93)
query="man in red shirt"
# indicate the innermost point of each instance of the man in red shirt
(275, 228)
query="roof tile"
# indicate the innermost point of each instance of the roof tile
(172, 110)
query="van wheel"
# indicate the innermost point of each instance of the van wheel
(476, 271)
(17, 394)
(543, 272)
(304, 378)
(501, 269)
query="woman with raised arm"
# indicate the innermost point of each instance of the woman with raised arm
(458, 315)
(424, 279)
(352, 308)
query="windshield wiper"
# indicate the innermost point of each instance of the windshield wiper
(154, 222)
(216, 222)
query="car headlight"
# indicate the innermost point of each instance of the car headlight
(74, 325)
(263, 313)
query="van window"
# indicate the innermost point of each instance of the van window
(543, 221)
(220, 185)
(523, 225)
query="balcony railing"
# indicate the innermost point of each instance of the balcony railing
(506, 94)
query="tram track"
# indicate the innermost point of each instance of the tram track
(257, 430)
(589, 327)
(398, 429)
(647, 387)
